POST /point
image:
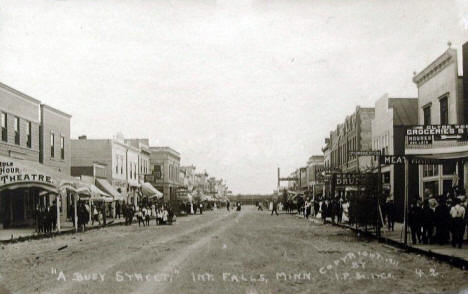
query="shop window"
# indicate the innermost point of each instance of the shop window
(427, 115)
(4, 127)
(62, 147)
(17, 130)
(449, 168)
(443, 111)
(28, 135)
(430, 170)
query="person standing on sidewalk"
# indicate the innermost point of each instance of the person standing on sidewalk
(442, 220)
(414, 221)
(390, 211)
(458, 224)
(427, 223)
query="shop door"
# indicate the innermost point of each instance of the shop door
(17, 198)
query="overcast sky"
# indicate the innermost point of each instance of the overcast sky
(238, 87)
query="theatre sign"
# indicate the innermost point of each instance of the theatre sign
(13, 173)
(426, 135)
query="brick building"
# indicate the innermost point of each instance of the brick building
(392, 115)
(41, 161)
(165, 165)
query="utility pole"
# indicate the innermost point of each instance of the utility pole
(379, 193)
(406, 201)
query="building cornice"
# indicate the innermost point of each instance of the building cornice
(444, 60)
(21, 94)
(50, 108)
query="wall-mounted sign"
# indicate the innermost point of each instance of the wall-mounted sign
(364, 153)
(355, 179)
(14, 173)
(157, 172)
(425, 135)
(289, 179)
(400, 159)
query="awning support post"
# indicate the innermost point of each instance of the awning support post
(75, 209)
(57, 200)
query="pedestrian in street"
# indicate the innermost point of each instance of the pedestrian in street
(95, 215)
(147, 216)
(274, 208)
(458, 223)
(414, 221)
(228, 204)
(139, 215)
(53, 221)
(339, 211)
(201, 208)
(390, 211)
(118, 208)
(316, 206)
(324, 210)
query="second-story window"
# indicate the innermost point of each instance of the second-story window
(17, 130)
(116, 164)
(427, 115)
(4, 127)
(443, 111)
(121, 165)
(28, 135)
(52, 145)
(62, 147)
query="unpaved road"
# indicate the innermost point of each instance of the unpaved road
(221, 252)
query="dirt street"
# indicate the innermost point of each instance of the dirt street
(221, 252)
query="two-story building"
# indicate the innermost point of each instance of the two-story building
(111, 155)
(443, 115)
(165, 163)
(392, 116)
(315, 179)
(34, 156)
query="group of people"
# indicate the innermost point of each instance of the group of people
(438, 221)
(331, 208)
(163, 214)
(46, 218)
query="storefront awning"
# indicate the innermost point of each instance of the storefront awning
(150, 191)
(105, 186)
(91, 192)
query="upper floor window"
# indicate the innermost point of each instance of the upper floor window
(427, 115)
(62, 147)
(52, 145)
(116, 164)
(121, 165)
(4, 127)
(28, 135)
(443, 111)
(17, 130)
